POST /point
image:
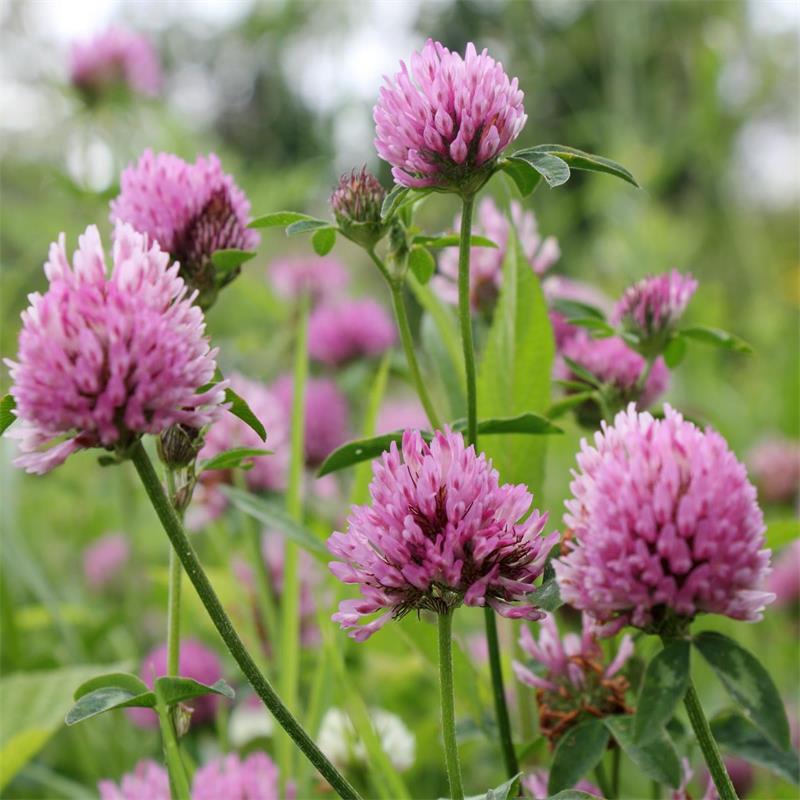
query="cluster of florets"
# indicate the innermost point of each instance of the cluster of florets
(443, 122)
(357, 201)
(665, 524)
(319, 278)
(651, 308)
(441, 531)
(105, 358)
(775, 464)
(115, 58)
(341, 332)
(191, 210)
(572, 681)
(486, 263)
(105, 559)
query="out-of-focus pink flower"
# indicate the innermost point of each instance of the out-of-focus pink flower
(441, 530)
(573, 683)
(148, 781)
(775, 464)
(321, 277)
(616, 366)
(115, 57)
(664, 521)
(399, 413)
(445, 120)
(191, 210)
(105, 558)
(103, 359)
(233, 778)
(784, 580)
(325, 415)
(651, 307)
(268, 473)
(535, 783)
(557, 287)
(196, 661)
(486, 263)
(741, 775)
(340, 332)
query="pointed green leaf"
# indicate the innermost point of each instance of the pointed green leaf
(307, 226)
(528, 422)
(657, 759)
(421, 263)
(578, 159)
(392, 200)
(239, 408)
(553, 169)
(741, 738)
(598, 327)
(7, 416)
(230, 259)
(664, 686)
(230, 459)
(120, 680)
(174, 689)
(578, 751)
(547, 596)
(504, 791)
(748, 683)
(717, 337)
(525, 177)
(574, 309)
(274, 515)
(580, 371)
(107, 699)
(675, 351)
(451, 240)
(559, 408)
(323, 241)
(278, 219)
(359, 450)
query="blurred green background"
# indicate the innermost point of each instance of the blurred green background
(698, 99)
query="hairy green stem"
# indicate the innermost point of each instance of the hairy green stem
(174, 597)
(465, 317)
(448, 705)
(708, 745)
(177, 536)
(288, 677)
(499, 694)
(407, 340)
(616, 757)
(179, 783)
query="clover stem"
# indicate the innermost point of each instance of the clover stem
(174, 595)
(448, 705)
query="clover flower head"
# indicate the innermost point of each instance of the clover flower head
(231, 776)
(441, 530)
(665, 524)
(106, 358)
(775, 464)
(572, 682)
(444, 120)
(319, 277)
(148, 781)
(105, 558)
(342, 332)
(191, 210)
(114, 57)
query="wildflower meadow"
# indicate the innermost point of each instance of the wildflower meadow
(361, 441)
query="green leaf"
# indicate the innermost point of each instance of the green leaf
(561, 407)
(421, 263)
(578, 751)
(451, 240)
(528, 422)
(230, 259)
(664, 686)
(598, 326)
(740, 737)
(578, 159)
(748, 683)
(547, 596)
(393, 200)
(360, 450)
(675, 351)
(717, 337)
(504, 791)
(553, 169)
(525, 177)
(578, 369)
(33, 707)
(7, 417)
(121, 680)
(307, 226)
(274, 515)
(574, 309)
(174, 689)
(239, 408)
(230, 459)
(278, 219)
(514, 370)
(323, 241)
(105, 699)
(657, 759)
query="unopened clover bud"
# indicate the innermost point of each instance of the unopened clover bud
(356, 204)
(179, 445)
